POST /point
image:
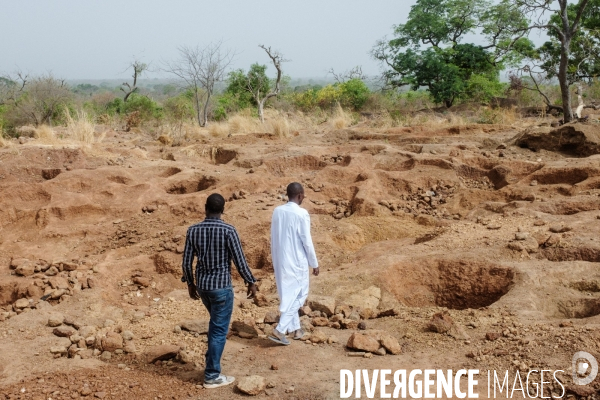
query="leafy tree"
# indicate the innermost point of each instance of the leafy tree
(426, 50)
(241, 85)
(355, 93)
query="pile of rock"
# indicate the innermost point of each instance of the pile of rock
(78, 340)
(424, 201)
(50, 281)
(373, 342)
(343, 209)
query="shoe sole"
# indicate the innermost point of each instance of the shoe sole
(216, 385)
(277, 340)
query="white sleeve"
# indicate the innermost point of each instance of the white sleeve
(311, 256)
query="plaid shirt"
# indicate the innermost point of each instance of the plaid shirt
(215, 243)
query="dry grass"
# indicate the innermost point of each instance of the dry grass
(218, 129)
(341, 119)
(46, 134)
(81, 127)
(3, 142)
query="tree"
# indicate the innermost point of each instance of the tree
(200, 68)
(242, 85)
(12, 87)
(138, 69)
(571, 54)
(256, 82)
(42, 99)
(426, 50)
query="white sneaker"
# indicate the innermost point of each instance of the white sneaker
(222, 380)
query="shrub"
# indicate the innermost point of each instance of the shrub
(354, 93)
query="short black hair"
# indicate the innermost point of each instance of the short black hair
(294, 189)
(215, 204)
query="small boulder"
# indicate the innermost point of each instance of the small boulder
(362, 341)
(25, 269)
(112, 341)
(271, 317)
(318, 336)
(21, 303)
(252, 385)
(322, 303)
(64, 331)
(141, 281)
(440, 323)
(246, 329)
(390, 344)
(161, 352)
(320, 321)
(199, 326)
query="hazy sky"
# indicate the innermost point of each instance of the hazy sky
(96, 39)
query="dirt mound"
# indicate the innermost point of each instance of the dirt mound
(576, 140)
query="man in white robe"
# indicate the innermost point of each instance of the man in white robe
(293, 252)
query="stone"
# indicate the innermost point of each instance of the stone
(271, 317)
(318, 336)
(69, 266)
(161, 353)
(362, 341)
(52, 271)
(440, 323)
(106, 356)
(390, 344)
(185, 357)
(112, 341)
(458, 332)
(261, 300)
(17, 262)
(252, 385)
(100, 395)
(521, 235)
(141, 281)
(92, 282)
(553, 240)
(246, 328)
(362, 325)
(349, 324)
(58, 282)
(343, 309)
(86, 331)
(199, 326)
(354, 315)
(129, 347)
(367, 313)
(22, 303)
(322, 303)
(127, 335)
(306, 325)
(320, 321)
(491, 336)
(25, 269)
(72, 351)
(388, 312)
(58, 350)
(560, 228)
(64, 331)
(367, 298)
(304, 310)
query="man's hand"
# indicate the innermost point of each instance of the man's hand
(251, 291)
(193, 292)
(316, 271)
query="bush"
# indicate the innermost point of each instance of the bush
(144, 105)
(354, 94)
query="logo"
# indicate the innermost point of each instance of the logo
(585, 368)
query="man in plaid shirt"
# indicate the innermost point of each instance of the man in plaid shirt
(215, 244)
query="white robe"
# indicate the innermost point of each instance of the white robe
(292, 252)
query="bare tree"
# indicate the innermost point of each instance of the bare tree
(138, 69)
(200, 68)
(261, 98)
(354, 73)
(11, 87)
(43, 98)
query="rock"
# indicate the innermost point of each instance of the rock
(318, 336)
(306, 325)
(106, 356)
(529, 244)
(52, 271)
(566, 324)
(458, 333)
(129, 347)
(367, 313)
(100, 395)
(87, 331)
(349, 324)
(388, 312)
(582, 391)
(553, 240)
(380, 352)
(440, 323)
(560, 228)
(521, 235)
(356, 354)
(141, 281)
(390, 344)
(185, 357)
(246, 328)
(25, 269)
(362, 341)
(17, 262)
(362, 325)
(199, 326)
(581, 140)
(161, 353)
(252, 385)
(72, 351)
(354, 315)
(304, 310)
(367, 298)
(343, 309)
(69, 266)
(271, 317)
(491, 336)
(261, 300)
(112, 341)
(320, 321)
(92, 282)
(64, 331)
(127, 335)
(22, 303)
(322, 303)
(58, 350)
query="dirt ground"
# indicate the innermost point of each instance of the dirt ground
(407, 223)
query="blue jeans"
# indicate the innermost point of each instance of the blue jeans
(219, 304)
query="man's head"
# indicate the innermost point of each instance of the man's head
(215, 204)
(295, 192)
